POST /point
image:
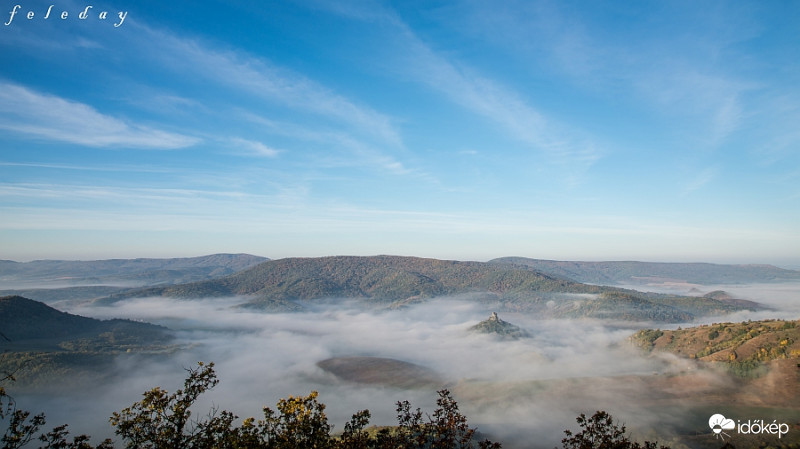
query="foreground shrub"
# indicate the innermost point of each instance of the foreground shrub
(163, 420)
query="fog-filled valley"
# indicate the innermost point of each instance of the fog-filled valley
(522, 392)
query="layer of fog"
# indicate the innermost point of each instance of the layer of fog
(14, 283)
(525, 391)
(781, 300)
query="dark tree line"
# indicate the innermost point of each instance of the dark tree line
(600, 432)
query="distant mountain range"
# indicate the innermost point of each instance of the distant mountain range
(549, 288)
(394, 281)
(614, 273)
(126, 271)
(60, 281)
(63, 280)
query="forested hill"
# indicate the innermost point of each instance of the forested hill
(23, 319)
(286, 284)
(611, 273)
(31, 325)
(48, 350)
(744, 346)
(382, 278)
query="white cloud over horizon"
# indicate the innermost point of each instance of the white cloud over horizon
(49, 117)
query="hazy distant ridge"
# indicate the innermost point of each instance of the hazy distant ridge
(111, 271)
(628, 272)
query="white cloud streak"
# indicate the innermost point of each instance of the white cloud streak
(100, 168)
(288, 209)
(49, 117)
(365, 153)
(464, 86)
(681, 75)
(701, 179)
(264, 80)
(497, 103)
(254, 147)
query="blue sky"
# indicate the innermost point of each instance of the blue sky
(660, 131)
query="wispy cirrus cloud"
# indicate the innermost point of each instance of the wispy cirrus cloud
(701, 179)
(654, 62)
(258, 77)
(49, 117)
(277, 214)
(463, 85)
(253, 147)
(346, 131)
(359, 152)
(713, 100)
(778, 136)
(87, 167)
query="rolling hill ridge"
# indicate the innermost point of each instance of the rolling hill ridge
(394, 281)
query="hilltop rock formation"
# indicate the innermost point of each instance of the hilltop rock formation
(494, 325)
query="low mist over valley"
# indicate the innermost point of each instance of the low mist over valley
(524, 351)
